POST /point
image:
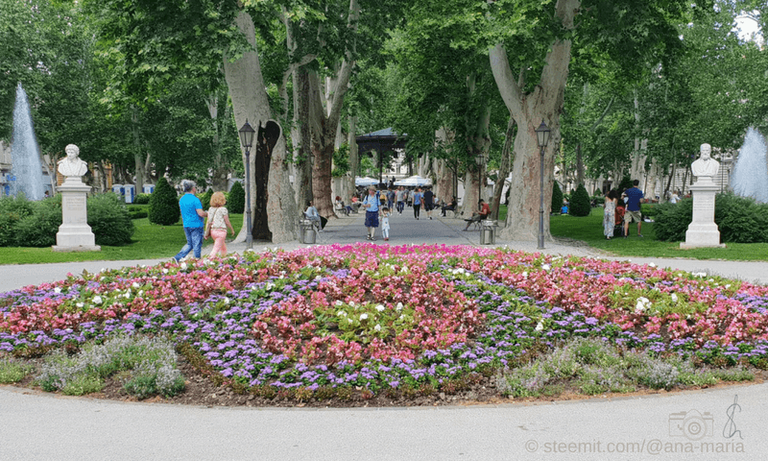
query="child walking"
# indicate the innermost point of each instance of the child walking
(218, 221)
(385, 222)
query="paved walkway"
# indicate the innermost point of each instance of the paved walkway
(38, 426)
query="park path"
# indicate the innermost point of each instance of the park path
(39, 426)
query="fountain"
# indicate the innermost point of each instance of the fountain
(750, 175)
(27, 169)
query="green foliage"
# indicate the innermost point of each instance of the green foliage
(340, 161)
(580, 204)
(142, 199)
(12, 371)
(205, 198)
(648, 209)
(739, 219)
(12, 210)
(109, 219)
(149, 363)
(236, 199)
(626, 183)
(164, 205)
(39, 229)
(557, 197)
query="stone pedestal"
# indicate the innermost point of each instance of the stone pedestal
(703, 232)
(74, 233)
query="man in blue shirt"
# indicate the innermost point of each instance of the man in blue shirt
(371, 204)
(192, 215)
(634, 195)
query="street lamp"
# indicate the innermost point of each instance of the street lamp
(246, 139)
(480, 159)
(542, 137)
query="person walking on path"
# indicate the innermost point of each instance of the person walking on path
(417, 198)
(192, 215)
(390, 198)
(218, 222)
(609, 214)
(372, 204)
(634, 195)
(400, 196)
(429, 198)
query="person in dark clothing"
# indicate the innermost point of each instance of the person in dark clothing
(429, 202)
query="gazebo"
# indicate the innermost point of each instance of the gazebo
(381, 141)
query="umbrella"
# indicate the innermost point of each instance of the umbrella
(414, 181)
(366, 181)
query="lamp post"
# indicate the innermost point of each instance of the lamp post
(246, 139)
(542, 137)
(480, 159)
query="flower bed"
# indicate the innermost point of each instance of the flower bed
(380, 318)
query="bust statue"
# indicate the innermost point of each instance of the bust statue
(705, 165)
(72, 165)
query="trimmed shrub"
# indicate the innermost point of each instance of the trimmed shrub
(109, 219)
(205, 199)
(739, 219)
(39, 229)
(164, 205)
(142, 199)
(236, 199)
(557, 197)
(12, 210)
(648, 210)
(626, 183)
(580, 205)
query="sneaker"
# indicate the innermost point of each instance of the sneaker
(373, 239)
(639, 235)
(430, 217)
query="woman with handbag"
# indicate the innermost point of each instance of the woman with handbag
(218, 222)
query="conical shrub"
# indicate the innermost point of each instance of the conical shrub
(236, 200)
(164, 205)
(557, 197)
(580, 205)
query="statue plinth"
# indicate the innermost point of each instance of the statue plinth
(703, 232)
(74, 233)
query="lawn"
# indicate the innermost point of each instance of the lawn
(150, 241)
(589, 229)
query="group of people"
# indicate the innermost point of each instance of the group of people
(197, 229)
(621, 209)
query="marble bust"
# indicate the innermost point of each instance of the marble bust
(72, 165)
(705, 165)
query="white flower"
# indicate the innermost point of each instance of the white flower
(674, 298)
(165, 271)
(651, 265)
(135, 285)
(57, 290)
(338, 302)
(363, 316)
(402, 316)
(341, 314)
(127, 294)
(699, 274)
(141, 293)
(546, 267)
(80, 305)
(642, 304)
(399, 307)
(97, 300)
(269, 286)
(727, 286)
(525, 274)
(183, 266)
(539, 326)
(380, 308)
(377, 327)
(226, 300)
(349, 319)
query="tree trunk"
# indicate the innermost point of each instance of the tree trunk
(138, 156)
(545, 102)
(249, 102)
(506, 157)
(303, 179)
(354, 161)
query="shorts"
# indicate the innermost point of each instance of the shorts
(371, 219)
(633, 216)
